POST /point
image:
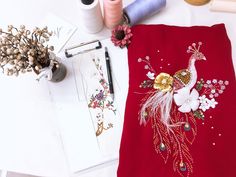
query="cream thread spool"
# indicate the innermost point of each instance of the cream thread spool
(91, 15)
(112, 12)
(223, 6)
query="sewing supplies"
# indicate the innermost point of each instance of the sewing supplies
(223, 5)
(84, 50)
(109, 75)
(87, 2)
(112, 12)
(91, 15)
(197, 2)
(141, 9)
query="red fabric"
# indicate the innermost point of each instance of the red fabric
(213, 150)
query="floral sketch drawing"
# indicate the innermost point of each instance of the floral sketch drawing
(101, 101)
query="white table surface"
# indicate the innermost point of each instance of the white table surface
(30, 140)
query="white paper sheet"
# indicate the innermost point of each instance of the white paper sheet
(78, 128)
(28, 135)
(103, 111)
(62, 31)
(73, 120)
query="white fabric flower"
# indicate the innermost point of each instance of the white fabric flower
(205, 103)
(212, 103)
(203, 99)
(186, 100)
(204, 106)
(214, 81)
(150, 75)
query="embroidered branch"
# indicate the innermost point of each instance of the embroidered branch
(101, 100)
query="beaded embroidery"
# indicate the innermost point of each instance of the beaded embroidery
(183, 76)
(173, 136)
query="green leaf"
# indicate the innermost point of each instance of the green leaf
(199, 114)
(199, 85)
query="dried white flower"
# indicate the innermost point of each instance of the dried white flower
(31, 58)
(10, 27)
(9, 51)
(16, 51)
(23, 51)
(22, 26)
(36, 68)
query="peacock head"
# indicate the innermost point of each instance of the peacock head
(195, 50)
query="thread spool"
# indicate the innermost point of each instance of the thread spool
(87, 2)
(223, 6)
(197, 2)
(141, 9)
(91, 15)
(112, 12)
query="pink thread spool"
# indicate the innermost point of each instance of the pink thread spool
(113, 11)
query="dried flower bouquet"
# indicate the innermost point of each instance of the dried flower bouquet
(24, 51)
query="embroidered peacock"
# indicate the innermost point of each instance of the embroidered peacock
(169, 137)
(167, 88)
(174, 125)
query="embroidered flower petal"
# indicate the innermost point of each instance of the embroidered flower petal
(203, 99)
(204, 106)
(186, 100)
(163, 82)
(181, 96)
(212, 103)
(194, 104)
(194, 94)
(185, 108)
(150, 75)
(179, 99)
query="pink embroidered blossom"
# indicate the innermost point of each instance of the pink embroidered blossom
(121, 36)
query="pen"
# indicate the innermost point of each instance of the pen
(107, 57)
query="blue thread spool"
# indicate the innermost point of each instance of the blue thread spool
(141, 9)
